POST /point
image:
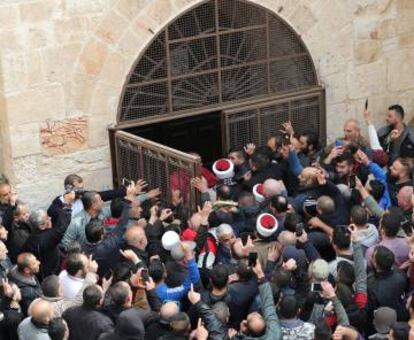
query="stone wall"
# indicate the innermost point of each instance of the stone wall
(65, 60)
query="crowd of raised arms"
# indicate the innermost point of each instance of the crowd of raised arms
(289, 241)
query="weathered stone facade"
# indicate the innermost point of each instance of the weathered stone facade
(64, 59)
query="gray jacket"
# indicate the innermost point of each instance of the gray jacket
(28, 331)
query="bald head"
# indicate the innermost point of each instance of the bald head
(135, 236)
(287, 238)
(404, 198)
(308, 176)
(42, 311)
(256, 324)
(352, 130)
(168, 310)
(272, 187)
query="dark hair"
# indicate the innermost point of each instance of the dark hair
(288, 307)
(94, 230)
(391, 223)
(119, 293)
(88, 198)
(279, 203)
(400, 330)
(377, 189)
(322, 330)
(384, 258)
(346, 273)
(74, 263)
(50, 286)
(71, 179)
(180, 322)
(156, 270)
(56, 329)
(92, 296)
(122, 272)
(223, 193)
(341, 238)
(398, 109)
(312, 138)
(259, 160)
(359, 215)
(244, 272)
(292, 219)
(238, 152)
(116, 207)
(345, 157)
(74, 247)
(219, 276)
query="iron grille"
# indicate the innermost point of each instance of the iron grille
(258, 122)
(161, 166)
(220, 52)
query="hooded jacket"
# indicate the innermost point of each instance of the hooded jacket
(129, 326)
(29, 287)
(368, 237)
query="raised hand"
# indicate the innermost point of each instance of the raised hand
(249, 148)
(193, 296)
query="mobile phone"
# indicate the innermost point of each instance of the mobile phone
(299, 229)
(126, 182)
(144, 275)
(286, 139)
(316, 287)
(366, 104)
(352, 181)
(252, 259)
(339, 143)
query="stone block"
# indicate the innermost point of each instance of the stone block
(9, 17)
(35, 105)
(39, 36)
(93, 57)
(159, 12)
(60, 61)
(70, 29)
(405, 22)
(400, 71)
(365, 27)
(98, 130)
(99, 179)
(11, 41)
(36, 11)
(303, 18)
(336, 88)
(112, 27)
(25, 139)
(406, 41)
(65, 136)
(84, 7)
(366, 79)
(388, 28)
(367, 51)
(130, 9)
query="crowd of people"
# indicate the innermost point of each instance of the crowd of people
(290, 240)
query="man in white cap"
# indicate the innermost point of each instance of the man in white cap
(266, 226)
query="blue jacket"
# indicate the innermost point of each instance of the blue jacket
(381, 176)
(166, 293)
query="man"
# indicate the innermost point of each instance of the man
(52, 292)
(87, 322)
(20, 230)
(121, 299)
(45, 239)
(93, 209)
(404, 199)
(341, 243)
(367, 232)
(241, 165)
(161, 327)
(159, 274)
(399, 176)
(386, 285)
(24, 276)
(36, 325)
(263, 326)
(396, 138)
(8, 198)
(136, 241)
(389, 226)
(292, 327)
(105, 250)
(5, 263)
(226, 239)
(80, 271)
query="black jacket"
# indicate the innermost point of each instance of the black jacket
(216, 329)
(18, 235)
(387, 289)
(86, 323)
(394, 188)
(29, 287)
(44, 244)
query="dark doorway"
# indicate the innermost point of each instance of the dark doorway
(201, 134)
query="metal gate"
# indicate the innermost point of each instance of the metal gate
(257, 122)
(162, 167)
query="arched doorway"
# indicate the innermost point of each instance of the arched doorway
(224, 73)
